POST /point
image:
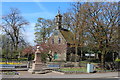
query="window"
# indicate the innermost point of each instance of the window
(52, 41)
(59, 40)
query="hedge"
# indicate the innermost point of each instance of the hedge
(117, 60)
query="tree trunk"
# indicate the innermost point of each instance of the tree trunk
(102, 60)
(76, 51)
(81, 54)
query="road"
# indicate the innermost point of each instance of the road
(25, 74)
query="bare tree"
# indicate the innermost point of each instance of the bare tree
(74, 20)
(94, 24)
(12, 23)
(102, 21)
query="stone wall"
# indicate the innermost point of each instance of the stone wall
(58, 47)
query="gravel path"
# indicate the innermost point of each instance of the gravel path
(54, 74)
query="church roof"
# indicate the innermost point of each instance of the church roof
(68, 35)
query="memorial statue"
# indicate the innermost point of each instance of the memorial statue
(38, 66)
(37, 63)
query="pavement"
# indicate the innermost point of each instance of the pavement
(54, 74)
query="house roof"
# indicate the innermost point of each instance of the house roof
(68, 35)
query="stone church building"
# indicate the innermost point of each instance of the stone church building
(60, 41)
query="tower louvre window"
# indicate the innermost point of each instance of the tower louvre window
(59, 40)
(52, 41)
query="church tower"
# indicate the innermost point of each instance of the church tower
(58, 20)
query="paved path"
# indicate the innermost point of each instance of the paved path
(25, 74)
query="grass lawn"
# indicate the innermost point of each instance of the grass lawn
(82, 69)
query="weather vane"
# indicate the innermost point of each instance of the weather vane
(59, 10)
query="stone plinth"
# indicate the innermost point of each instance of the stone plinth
(37, 65)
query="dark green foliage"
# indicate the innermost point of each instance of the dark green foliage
(22, 59)
(117, 60)
(43, 57)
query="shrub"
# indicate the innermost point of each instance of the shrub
(68, 65)
(43, 57)
(3, 59)
(23, 59)
(117, 60)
